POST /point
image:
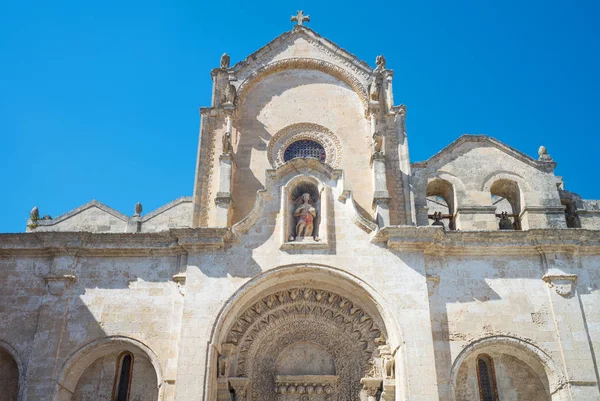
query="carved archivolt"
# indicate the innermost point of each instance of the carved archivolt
(302, 64)
(349, 335)
(295, 132)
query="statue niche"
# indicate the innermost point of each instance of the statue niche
(305, 213)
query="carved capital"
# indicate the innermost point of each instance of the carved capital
(371, 386)
(58, 284)
(240, 387)
(564, 284)
(223, 198)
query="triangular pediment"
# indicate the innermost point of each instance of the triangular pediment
(302, 43)
(466, 142)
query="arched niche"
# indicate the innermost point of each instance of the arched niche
(441, 203)
(520, 370)
(303, 328)
(97, 363)
(506, 197)
(11, 373)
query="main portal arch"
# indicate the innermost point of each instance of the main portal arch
(303, 332)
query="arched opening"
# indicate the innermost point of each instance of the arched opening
(9, 376)
(306, 149)
(111, 369)
(441, 204)
(486, 378)
(303, 331)
(504, 368)
(506, 197)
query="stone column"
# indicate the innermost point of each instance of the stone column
(371, 386)
(224, 199)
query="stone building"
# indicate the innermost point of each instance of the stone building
(314, 261)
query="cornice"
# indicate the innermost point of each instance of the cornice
(434, 240)
(171, 242)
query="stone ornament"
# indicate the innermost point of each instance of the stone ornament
(301, 63)
(137, 210)
(300, 18)
(377, 144)
(374, 89)
(58, 284)
(563, 284)
(304, 314)
(305, 215)
(225, 61)
(380, 62)
(229, 94)
(226, 144)
(543, 155)
(304, 131)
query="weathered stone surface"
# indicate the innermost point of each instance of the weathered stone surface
(215, 297)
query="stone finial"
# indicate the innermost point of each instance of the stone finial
(137, 209)
(380, 62)
(300, 18)
(225, 61)
(34, 215)
(543, 154)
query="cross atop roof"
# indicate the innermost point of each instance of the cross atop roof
(300, 17)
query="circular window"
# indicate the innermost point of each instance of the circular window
(305, 149)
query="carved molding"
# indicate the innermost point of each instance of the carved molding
(242, 226)
(300, 63)
(295, 132)
(321, 317)
(563, 284)
(58, 284)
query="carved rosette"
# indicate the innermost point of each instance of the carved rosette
(295, 132)
(330, 321)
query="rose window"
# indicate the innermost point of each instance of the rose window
(305, 149)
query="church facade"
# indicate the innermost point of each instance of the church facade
(314, 261)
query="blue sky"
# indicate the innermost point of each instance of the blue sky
(99, 100)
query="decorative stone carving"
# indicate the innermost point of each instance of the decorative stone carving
(303, 64)
(377, 144)
(564, 284)
(340, 327)
(225, 61)
(58, 284)
(371, 387)
(179, 279)
(240, 387)
(380, 62)
(295, 132)
(226, 144)
(543, 155)
(374, 89)
(224, 360)
(305, 214)
(300, 18)
(137, 210)
(229, 94)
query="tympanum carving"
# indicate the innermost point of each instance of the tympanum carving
(333, 323)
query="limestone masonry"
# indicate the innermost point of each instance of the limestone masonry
(314, 261)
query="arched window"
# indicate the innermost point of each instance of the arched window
(304, 149)
(123, 377)
(486, 378)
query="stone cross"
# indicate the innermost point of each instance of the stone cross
(300, 17)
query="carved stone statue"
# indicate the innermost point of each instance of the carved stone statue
(305, 215)
(227, 148)
(225, 61)
(229, 94)
(380, 62)
(374, 89)
(377, 144)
